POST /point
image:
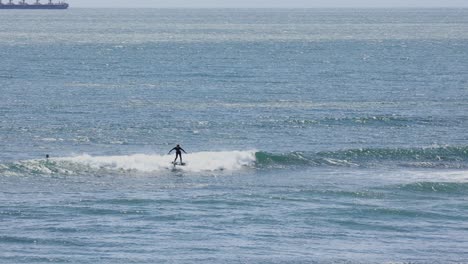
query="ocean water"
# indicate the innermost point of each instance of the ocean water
(313, 136)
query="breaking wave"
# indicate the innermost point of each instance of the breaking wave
(195, 162)
(438, 157)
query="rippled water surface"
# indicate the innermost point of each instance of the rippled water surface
(313, 136)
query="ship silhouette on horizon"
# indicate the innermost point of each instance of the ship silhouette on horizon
(37, 5)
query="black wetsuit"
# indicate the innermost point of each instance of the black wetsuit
(178, 150)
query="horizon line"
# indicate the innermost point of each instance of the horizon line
(274, 7)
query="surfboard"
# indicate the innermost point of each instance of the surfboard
(178, 163)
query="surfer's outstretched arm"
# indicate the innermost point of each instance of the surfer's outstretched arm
(171, 150)
(183, 150)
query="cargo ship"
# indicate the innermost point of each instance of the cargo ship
(37, 5)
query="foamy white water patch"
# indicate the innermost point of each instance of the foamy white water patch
(194, 162)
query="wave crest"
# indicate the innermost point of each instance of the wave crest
(439, 157)
(87, 164)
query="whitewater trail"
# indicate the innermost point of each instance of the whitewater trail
(195, 162)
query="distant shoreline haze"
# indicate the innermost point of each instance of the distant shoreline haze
(270, 4)
(266, 7)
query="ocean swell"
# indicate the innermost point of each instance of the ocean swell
(434, 157)
(438, 157)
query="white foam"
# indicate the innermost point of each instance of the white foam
(195, 162)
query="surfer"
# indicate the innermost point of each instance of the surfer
(178, 150)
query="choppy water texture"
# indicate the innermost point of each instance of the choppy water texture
(314, 136)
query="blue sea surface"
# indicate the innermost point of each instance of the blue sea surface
(313, 136)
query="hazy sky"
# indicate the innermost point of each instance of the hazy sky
(266, 3)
